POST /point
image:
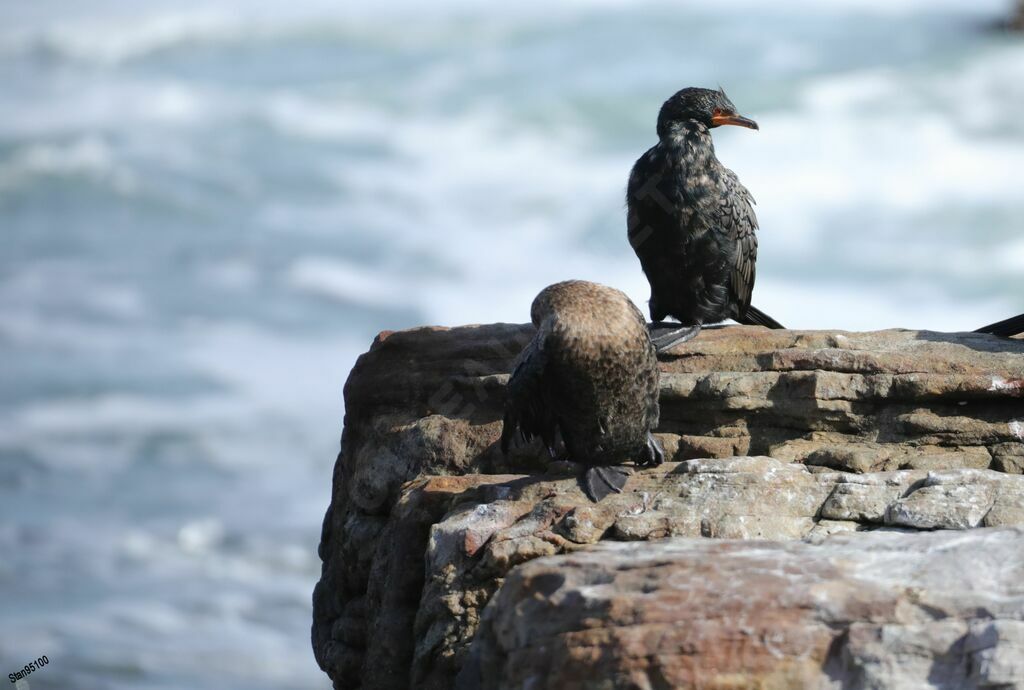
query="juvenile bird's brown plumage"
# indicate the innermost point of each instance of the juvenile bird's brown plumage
(691, 222)
(590, 375)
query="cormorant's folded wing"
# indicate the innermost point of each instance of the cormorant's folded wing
(736, 214)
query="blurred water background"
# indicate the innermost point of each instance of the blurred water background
(208, 210)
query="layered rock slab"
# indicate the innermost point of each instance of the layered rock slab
(431, 400)
(500, 525)
(875, 610)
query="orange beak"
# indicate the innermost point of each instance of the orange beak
(719, 119)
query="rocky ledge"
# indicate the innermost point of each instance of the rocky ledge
(785, 436)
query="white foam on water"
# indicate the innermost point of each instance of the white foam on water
(89, 156)
(115, 107)
(348, 282)
(888, 139)
(119, 37)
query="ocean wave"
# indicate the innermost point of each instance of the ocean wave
(90, 157)
(873, 307)
(118, 38)
(122, 33)
(349, 283)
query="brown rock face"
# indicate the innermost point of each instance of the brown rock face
(880, 610)
(858, 431)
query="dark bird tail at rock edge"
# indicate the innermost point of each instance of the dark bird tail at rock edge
(508, 429)
(1005, 328)
(598, 482)
(755, 317)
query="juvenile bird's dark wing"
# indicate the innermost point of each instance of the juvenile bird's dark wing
(736, 214)
(526, 408)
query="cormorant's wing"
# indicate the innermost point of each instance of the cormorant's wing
(1006, 328)
(650, 211)
(652, 223)
(736, 214)
(647, 207)
(526, 409)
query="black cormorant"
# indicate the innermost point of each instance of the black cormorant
(692, 223)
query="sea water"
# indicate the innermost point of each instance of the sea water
(208, 210)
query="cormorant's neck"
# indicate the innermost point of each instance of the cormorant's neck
(686, 134)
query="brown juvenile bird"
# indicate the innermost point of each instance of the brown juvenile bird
(590, 374)
(692, 223)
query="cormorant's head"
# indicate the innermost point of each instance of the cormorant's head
(706, 106)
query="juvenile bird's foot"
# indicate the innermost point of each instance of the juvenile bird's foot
(600, 481)
(666, 341)
(653, 454)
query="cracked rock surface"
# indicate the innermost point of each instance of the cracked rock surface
(878, 610)
(807, 439)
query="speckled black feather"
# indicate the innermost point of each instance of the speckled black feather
(590, 375)
(691, 222)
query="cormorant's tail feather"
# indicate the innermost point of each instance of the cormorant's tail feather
(598, 482)
(1005, 328)
(755, 317)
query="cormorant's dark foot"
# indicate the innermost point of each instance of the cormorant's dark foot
(653, 454)
(666, 341)
(598, 482)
